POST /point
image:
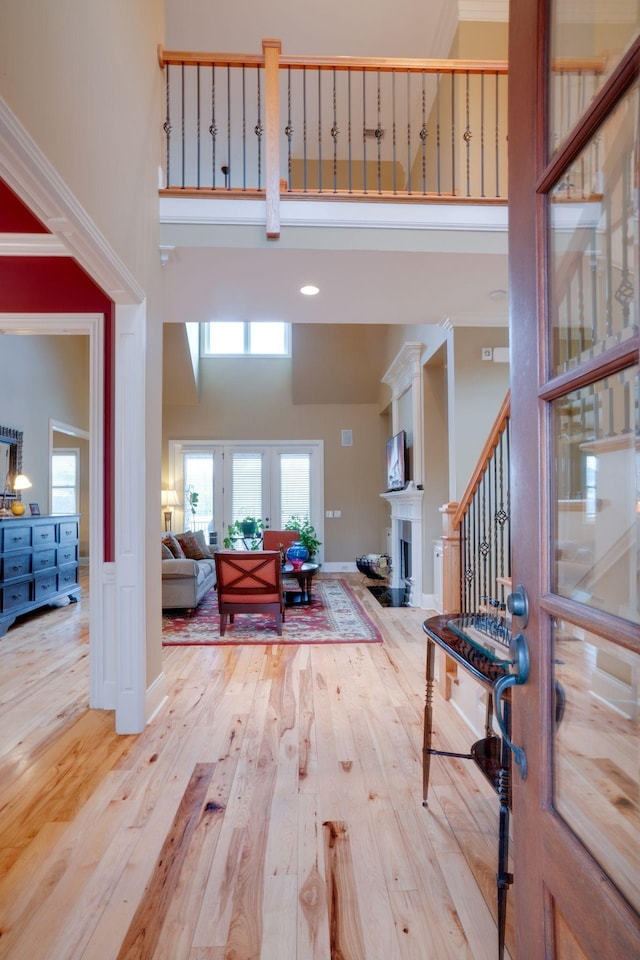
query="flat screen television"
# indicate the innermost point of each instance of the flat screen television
(397, 461)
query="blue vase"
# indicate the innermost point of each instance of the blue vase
(297, 554)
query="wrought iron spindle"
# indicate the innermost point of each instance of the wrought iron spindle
(213, 129)
(198, 126)
(258, 129)
(304, 129)
(482, 159)
(364, 132)
(319, 131)
(227, 175)
(393, 130)
(182, 140)
(244, 130)
(497, 108)
(289, 128)
(379, 138)
(424, 133)
(453, 135)
(409, 183)
(334, 135)
(349, 130)
(167, 125)
(438, 132)
(467, 135)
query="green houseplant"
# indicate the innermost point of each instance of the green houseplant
(306, 534)
(249, 530)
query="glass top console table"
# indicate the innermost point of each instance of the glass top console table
(468, 640)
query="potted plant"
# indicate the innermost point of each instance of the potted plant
(249, 530)
(306, 534)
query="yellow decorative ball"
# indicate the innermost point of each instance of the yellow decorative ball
(17, 509)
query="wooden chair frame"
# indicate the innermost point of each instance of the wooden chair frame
(249, 581)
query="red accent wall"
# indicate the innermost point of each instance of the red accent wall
(14, 216)
(59, 285)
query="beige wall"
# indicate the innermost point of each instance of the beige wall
(252, 400)
(480, 386)
(83, 79)
(43, 378)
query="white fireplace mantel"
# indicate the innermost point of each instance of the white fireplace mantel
(406, 505)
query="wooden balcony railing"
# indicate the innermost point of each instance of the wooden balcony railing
(477, 531)
(356, 128)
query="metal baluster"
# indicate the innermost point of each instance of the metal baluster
(593, 263)
(379, 139)
(438, 129)
(624, 293)
(244, 131)
(393, 129)
(497, 135)
(409, 132)
(334, 135)
(319, 131)
(213, 129)
(466, 136)
(304, 128)
(453, 136)
(258, 129)
(198, 126)
(288, 129)
(424, 133)
(228, 164)
(349, 174)
(364, 132)
(182, 122)
(167, 125)
(482, 135)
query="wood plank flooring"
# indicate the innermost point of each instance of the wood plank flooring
(272, 811)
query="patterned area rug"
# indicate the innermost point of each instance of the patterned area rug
(335, 615)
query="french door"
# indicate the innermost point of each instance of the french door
(271, 482)
(574, 163)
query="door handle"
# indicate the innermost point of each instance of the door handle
(520, 652)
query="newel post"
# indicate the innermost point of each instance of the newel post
(271, 50)
(450, 560)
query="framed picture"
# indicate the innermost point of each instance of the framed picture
(35, 509)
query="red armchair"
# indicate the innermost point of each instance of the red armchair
(249, 581)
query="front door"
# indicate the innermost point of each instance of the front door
(574, 158)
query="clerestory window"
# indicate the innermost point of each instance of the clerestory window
(234, 338)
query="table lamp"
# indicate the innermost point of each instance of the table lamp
(21, 482)
(169, 498)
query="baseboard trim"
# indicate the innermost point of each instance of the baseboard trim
(155, 697)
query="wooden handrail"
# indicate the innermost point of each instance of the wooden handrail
(483, 460)
(383, 64)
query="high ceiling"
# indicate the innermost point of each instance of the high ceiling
(427, 273)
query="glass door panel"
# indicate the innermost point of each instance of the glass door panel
(597, 752)
(596, 495)
(587, 40)
(593, 219)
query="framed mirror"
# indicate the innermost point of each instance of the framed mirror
(10, 460)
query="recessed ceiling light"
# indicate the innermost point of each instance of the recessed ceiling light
(309, 290)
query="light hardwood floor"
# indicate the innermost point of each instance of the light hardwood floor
(273, 810)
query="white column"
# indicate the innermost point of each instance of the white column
(130, 493)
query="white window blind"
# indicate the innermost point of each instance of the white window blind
(295, 486)
(64, 481)
(198, 478)
(246, 500)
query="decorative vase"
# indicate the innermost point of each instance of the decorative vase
(17, 508)
(297, 554)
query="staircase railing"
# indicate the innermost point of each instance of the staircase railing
(477, 532)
